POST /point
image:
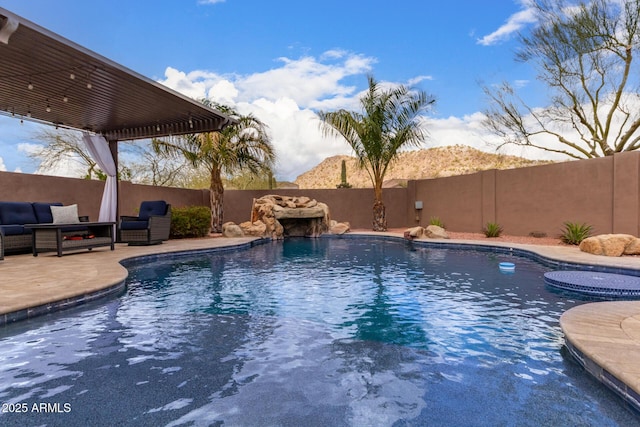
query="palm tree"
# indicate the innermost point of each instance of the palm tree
(388, 122)
(243, 146)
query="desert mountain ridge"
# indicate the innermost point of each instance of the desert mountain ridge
(418, 164)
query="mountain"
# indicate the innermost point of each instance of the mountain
(419, 164)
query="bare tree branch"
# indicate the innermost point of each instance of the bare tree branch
(585, 54)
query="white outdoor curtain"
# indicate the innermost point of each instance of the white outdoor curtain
(99, 149)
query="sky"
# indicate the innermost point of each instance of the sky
(285, 60)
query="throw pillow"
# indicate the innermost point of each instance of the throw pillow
(65, 214)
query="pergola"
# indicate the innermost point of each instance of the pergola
(49, 79)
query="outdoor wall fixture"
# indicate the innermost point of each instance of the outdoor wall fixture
(418, 205)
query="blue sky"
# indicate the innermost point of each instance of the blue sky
(284, 60)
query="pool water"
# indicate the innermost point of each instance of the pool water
(309, 332)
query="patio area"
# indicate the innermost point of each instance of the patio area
(604, 336)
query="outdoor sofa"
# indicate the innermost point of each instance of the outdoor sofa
(14, 215)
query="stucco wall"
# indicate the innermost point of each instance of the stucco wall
(603, 192)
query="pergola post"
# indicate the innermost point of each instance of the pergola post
(113, 148)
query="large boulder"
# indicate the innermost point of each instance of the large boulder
(255, 229)
(339, 227)
(435, 232)
(231, 229)
(414, 233)
(611, 245)
(430, 232)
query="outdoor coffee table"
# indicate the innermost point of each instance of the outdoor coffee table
(52, 237)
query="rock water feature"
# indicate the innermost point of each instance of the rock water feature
(277, 217)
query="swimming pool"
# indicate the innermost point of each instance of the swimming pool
(353, 331)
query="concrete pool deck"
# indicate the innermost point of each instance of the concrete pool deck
(603, 336)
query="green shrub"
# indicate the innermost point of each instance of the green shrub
(575, 233)
(492, 229)
(191, 221)
(434, 220)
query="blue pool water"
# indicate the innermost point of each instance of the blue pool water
(309, 332)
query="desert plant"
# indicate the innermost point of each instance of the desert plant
(243, 146)
(574, 233)
(492, 229)
(434, 220)
(192, 221)
(343, 176)
(389, 121)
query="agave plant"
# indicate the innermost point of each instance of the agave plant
(492, 229)
(574, 233)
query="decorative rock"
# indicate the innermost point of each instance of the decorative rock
(633, 248)
(611, 245)
(256, 228)
(414, 233)
(231, 229)
(291, 216)
(435, 232)
(287, 213)
(339, 227)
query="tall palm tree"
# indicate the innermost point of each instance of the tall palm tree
(244, 146)
(389, 121)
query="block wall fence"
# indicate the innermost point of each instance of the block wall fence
(603, 192)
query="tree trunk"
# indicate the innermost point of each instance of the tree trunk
(379, 212)
(216, 194)
(379, 216)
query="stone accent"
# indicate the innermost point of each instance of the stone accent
(414, 233)
(430, 232)
(230, 229)
(339, 227)
(611, 245)
(255, 229)
(435, 232)
(275, 217)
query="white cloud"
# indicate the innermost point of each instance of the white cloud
(3, 168)
(210, 1)
(469, 131)
(29, 148)
(296, 135)
(70, 167)
(514, 23)
(286, 99)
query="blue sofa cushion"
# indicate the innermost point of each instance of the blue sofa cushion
(43, 211)
(134, 225)
(14, 230)
(12, 213)
(153, 208)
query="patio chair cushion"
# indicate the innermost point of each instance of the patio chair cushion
(43, 212)
(14, 230)
(12, 213)
(152, 208)
(134, 225)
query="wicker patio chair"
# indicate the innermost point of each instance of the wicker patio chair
(150, 227)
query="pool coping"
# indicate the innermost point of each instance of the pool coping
(591, 330)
